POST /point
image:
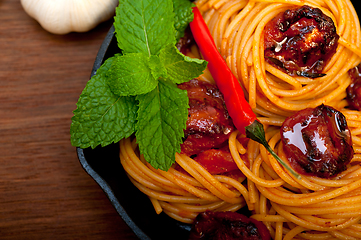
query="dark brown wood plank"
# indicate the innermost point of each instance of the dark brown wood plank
(44, 192)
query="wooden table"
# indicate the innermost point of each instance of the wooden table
(44, 192)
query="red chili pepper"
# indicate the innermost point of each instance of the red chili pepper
(244, 119)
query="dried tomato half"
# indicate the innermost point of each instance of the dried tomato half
(317, 141)
(354, 90)
(227, 226)
(300, 41)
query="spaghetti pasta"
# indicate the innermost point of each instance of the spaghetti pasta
(291, 208)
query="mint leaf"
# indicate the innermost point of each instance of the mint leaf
(101, 118)
(157, 67)
(183, 16)
(162, 117)
(180, 68)
(144, 25)
(131, 74)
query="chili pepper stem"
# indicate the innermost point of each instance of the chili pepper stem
(255, 131)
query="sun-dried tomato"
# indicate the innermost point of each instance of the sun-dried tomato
(317, 141)
(300, 41)
(227, 226)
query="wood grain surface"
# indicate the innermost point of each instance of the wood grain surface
(44, 192)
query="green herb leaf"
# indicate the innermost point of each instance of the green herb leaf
(162, 117)
(131, 74)
(180, 68)
(144, 26)
(102, 118)
(183, 16)
(157, 67)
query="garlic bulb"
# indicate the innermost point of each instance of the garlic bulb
(64, 16)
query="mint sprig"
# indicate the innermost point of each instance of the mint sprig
(137, 91)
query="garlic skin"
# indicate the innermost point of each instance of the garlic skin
(65, 16)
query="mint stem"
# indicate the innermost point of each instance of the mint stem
(255, 131)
